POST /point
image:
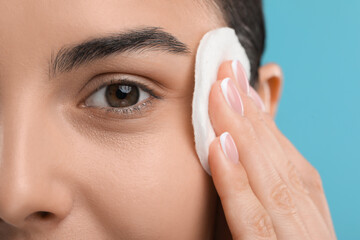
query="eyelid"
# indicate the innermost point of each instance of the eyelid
(125, 80)
(102, 80)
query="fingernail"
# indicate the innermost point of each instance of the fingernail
(229, 148)
(232, 95)
(257, 99)
(240, 75)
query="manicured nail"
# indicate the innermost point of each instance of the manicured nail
(257, 99)
(240, 75)
(229, 148)
(232, 95)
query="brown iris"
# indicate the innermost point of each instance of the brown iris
(122, 95)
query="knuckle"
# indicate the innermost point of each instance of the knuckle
(283, 200)
(260, 117)
(246, 129)
(239, 187)
(271, 123)
(268, 118)
(256, 115)
(315, 180)
(242, 182)
(260, 225)
(296, 181)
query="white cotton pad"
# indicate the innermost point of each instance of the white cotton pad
(215, 47)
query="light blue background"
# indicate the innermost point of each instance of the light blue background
(317, 43)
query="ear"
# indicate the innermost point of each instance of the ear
(270, 86)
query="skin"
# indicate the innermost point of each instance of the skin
(270, 191)
(101, 175)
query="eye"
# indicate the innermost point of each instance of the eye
(119, 95)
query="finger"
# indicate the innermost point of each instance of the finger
(301, 172)
(267, 131)
(269, 142)
(246, 217)
(311, 178)
(263, 178)
(288, 172)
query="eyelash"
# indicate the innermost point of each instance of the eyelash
(126, 111)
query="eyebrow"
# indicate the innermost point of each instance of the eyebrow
(140, 39)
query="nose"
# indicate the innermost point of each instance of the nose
(33, 193)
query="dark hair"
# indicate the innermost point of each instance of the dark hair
(246, 17)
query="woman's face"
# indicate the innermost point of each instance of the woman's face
(71, 168)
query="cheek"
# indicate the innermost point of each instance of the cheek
(152, 185)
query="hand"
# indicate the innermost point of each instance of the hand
(268, 190)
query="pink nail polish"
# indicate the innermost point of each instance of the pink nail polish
(232, 95)
(240, 75)
(229, 148)
(254, 95)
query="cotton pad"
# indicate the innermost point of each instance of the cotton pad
(215, 47)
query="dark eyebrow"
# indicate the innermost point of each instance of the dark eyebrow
(147, 38)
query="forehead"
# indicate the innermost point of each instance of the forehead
(38, 25)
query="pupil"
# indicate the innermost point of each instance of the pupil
(121, 95)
